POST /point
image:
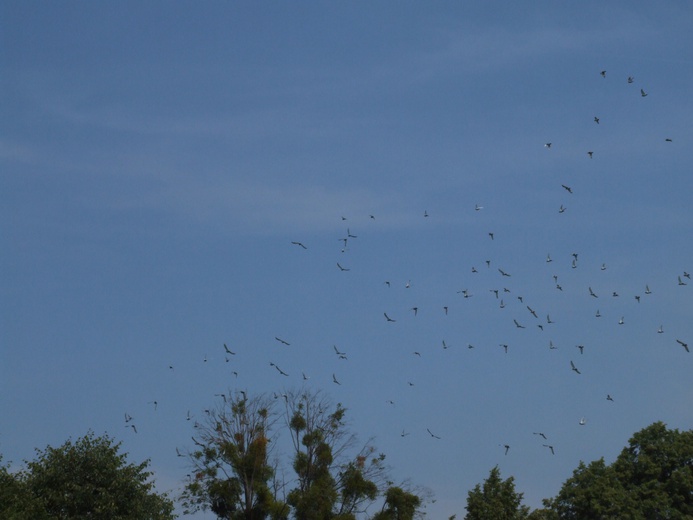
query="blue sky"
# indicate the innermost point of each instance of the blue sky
(158, 159)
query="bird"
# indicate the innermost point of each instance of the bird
(505, 347)
(283, 342)
(507, 448)
(432, 434)
(621, 321)
(518, 325)
(342, 268)
(299, 244)
(178, 453)
(155, 403)
(388, 318)
(541, 434)
(603, 267)
(630, 79)
(403, 434)
(548, 258)
(445, 308)
(336, 351)
(643, 93)
(582, 421)
(128, 418)
(552, 346)
(228, 351)
(596, 119)
(590, 154)
(598, 315)
(647, 289)
(305, 377)
(491, 235)
(478, 208)
(603, 73)
(684, 345)
(574, 368)
(592, 293)
(334, 380)
(548, 319)
(134, 429)
(547, 145)
(549, 447)
(278, 369)
(349, 235)
(532, 311)
(417, 353)
(681, 282)
(562, 209)
(425, 213)
(637, 298)
(668, 140)
(609, 398)
(580, 348)
(567, 188)
(503, 272)
(416, 310)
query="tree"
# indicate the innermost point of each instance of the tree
(652, 478)
(329, 484)
(399, 505)
(495, 500)
(232, 473)
(333, 480)
(88, 478)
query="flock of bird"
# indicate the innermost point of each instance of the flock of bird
(519, 311)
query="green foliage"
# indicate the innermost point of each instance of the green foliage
(232, 474)
(495, 500)
(233, 478)
(399, 505)
(652, 478)
(85, 479)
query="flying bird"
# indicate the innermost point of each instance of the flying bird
(542, 435)
(567, 188)
(228, 351)
(283, 342)
(603, 73)
(507, 448)
(342, 268)
(596, 119)
(590, 154)
(684, 345)
(592, 293)
(518, 325)
(582, 421)
(547, 145)
(388, 318)
(334, 380)
(532, 311)
(549, 447)
(643, 93)
(503, 272)
(630, 79)
(580, 348)
(574, 368)
(432, 434)
(299, 244)
(609, 398)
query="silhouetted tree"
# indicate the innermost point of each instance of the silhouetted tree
(495, 500)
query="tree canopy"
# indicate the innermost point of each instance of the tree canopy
(495, 500)
(332, 478)
(85, 479)
(651, 478)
